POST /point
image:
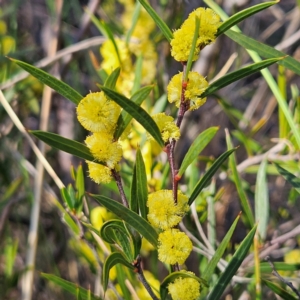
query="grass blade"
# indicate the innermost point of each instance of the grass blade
(220, 251)
(238, 183)
(262, 200)
(233, 266)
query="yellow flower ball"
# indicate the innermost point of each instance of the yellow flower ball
(96, 113)
(182, 38)
(104, 149)
(209, 24)
(99, 174)
(197, 84)
(184, 288)
(163, 212)
(174, 247)
(166, 126)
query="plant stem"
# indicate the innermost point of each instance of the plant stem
(142, 278)
(118, 180)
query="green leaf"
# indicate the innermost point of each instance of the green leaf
(242, 15)
(192, 49)
(232, 266)
(67, 198)
(292, 179)
(70, 287)
(64, 144)
(174, 275)
(105, 30)
(67, 218)
(220, 251)
(80, 188)
(262, 200)
(111, 80)
(111, 261)
(238, 183)
(239, 74)
(197, 146)
(278, 290)
(279, 266)
(115, 232)
(57, 85)
(137, 113)
(134, 20)
(139, 187)
(264, 50)
(209, 174)
(125, 118)
(158, 21)
(130, 217)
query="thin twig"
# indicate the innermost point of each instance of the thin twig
(118, 180)
(289, 284)
(139, 271)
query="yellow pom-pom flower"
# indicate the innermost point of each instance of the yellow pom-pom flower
(163, 212)
(104, 149)
(96, 113)
(181, 45)
(184, 288)
(166, 126)
(182, 42)
(197, 84)
(99, 173)
(209, 24)
(174, 247)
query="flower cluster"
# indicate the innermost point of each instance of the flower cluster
(195, 87)
(174, 246)
(182, 42)
(166, 126)
(99, 115)
(184, 288)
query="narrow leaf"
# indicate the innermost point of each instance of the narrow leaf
(264, 50)
(142, 187)
(158, 21)
(115, 232)
(262, 200)
(209, 174)
(111, 80)
(292, 179)
(70, 287)
(242, 15)
(64, 144)
(112, 260)
(57, 85)
(130, 217)
(233, 266)
(197, 146)
(238, 183)
(137, 113)
(239, 74)
(220, 251)
(125, 118)
(278, 290)
(174, 275)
